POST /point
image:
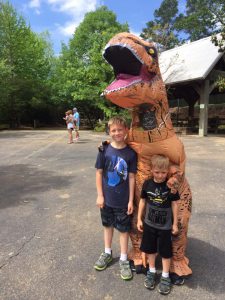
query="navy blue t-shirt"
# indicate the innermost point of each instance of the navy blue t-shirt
(116, 165)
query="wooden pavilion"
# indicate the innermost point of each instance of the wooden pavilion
(190, 72)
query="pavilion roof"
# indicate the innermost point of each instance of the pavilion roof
(189, 62)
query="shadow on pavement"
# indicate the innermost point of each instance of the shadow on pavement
(208, 265)
(21, 181)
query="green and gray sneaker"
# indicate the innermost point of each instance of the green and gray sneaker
(103, 261)
(150, 280)
(164, 286)
(125, 270)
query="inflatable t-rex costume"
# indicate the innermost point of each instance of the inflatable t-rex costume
(139, 86)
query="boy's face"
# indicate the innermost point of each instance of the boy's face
(159, 175)
(117, 132)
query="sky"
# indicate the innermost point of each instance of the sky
(61, 17)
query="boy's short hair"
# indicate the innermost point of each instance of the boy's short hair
(117, 120)
(160, 161)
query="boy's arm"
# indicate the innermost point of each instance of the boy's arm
(141, 208)
(130, 207)
(175, 217)
(100, 198)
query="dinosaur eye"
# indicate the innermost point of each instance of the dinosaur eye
(151, 51)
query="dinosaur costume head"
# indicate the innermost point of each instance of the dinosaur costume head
(138, 83)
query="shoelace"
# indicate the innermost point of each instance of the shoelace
(103, 257)
(125, 265)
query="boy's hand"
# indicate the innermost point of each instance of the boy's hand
(103, 145)
(130, 208)
(175, 229)
(175, 176)
(140, 225)
(173, 184)
(100, 201)
(173, 191)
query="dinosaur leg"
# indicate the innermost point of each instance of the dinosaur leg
(179, 262)
(138, 258)
(136, 236)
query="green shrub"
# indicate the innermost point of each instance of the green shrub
(100, 126)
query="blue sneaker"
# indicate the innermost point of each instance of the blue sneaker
(164, 285)
(150, 280)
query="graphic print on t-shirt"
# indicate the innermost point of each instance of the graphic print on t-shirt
(158, 198)
(115, 170)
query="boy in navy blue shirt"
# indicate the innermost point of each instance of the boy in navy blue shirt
(115, 181)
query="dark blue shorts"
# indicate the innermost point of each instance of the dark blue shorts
(156, 240)
(116, 217)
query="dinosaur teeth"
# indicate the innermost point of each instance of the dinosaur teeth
(134, 53)
(128, 47)
(121, 88)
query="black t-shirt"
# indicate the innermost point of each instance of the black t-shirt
(158, 204)
(116, 165)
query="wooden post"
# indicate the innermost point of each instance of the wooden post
(203, 114)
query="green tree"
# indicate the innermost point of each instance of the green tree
(85, 74)
(162, 29)
(27, 56)
(5, 88)
(197, 22)
(203, 18)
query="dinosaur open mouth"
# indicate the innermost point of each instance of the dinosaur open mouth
(123, 60)
(128, 67)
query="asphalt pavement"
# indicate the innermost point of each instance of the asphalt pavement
(51, 233)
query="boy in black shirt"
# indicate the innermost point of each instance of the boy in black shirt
(161, 211)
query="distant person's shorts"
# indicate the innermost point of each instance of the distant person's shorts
(76, 127)
(70, 126)
(156, 240)
(116, 217)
